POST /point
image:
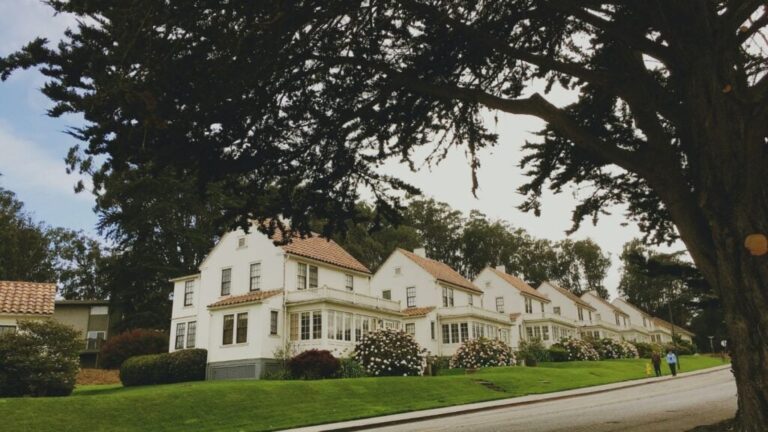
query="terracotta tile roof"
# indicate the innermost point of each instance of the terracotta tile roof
(630, 305)
(514, 316)
(441, 271)
(576, 299)
(518, 283)
(605, 302)
(417, 311)
(251, 297)
(27, 297)
(661, 323)
(322, 249)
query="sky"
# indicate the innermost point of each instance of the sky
(33, 147)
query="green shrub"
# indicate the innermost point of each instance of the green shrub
(438, 365)
(645, 349)
(482, 352)
(40, 359)
(389, 352)
(558, 353)
(130, 344)
(351, 368)
(532, 352)
(178, 366)
(681, 347)
(314, 364)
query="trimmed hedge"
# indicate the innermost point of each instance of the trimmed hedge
(558, 353)
(179, 366)
(130, 344)
(314, 364)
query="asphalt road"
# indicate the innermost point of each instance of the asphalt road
(667, 406)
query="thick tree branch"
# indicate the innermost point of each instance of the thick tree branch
(754, 27)
(740, 11)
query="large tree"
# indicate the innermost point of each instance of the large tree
(291, 105)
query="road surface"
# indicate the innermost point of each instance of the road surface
(667, 406)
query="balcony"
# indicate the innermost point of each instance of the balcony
(343, 296)
(463, 311)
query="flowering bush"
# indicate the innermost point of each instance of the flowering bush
(579, 349)
(477, 353)
(611, 349)
(390, 352)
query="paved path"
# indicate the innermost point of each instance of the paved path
(650, 405)
(674, 405)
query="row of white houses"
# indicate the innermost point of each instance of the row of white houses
(253, 298)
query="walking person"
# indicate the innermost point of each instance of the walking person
(672, 362)
(656, 360)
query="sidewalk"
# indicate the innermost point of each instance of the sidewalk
(412, 416)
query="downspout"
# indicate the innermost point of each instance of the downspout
(286, 321)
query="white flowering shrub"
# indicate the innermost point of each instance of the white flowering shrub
(477, 353)
(612, 349)
(630, 350)
(388, 352)
(579, 349)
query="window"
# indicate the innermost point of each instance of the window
(347, 326)
(180, 329)
(478, 330)
(294, 326)
(228, 332)
(616, 315)
(241, 242)
(581, 314)
(590, 316)
(349, 282)
(331, 325)
(191, 334)
(432, 329)
(305, 323)
(447, 297)
(398, 271)
(528, 305)
(255, 277)
(242, 328)
(273, 316)
(410, 328)
(446, 334)
(189, 291)
(500, 304)
(470, 300)
(556, 310)
(301, 276)
(312, 276)
(7, 329)
(529, 332)
(94, 339)
(386, 294)
(100, 310)
(317, 325)
(545, 333)
(504, 336)
(454, 333)
(410, 293)
(644, 322)
(226, 281)
(542, 306)
(464, 328)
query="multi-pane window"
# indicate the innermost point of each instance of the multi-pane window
(294, 327)
(478, 330)
(410, 293)
(500, 304)
(470, 300)
(410, 328)
(464, 329)
(386, 294)
(581, 314)
(313, 276)
(529, 332)
(226, 281)
(451, 333)
(305, 325)
(528, 305)
(317, 325)
(191, 334)
(590, 316)
(556, 310)
(228, 330)
(537, 332)
(616, 315)
(504, 336)
(242, 328)
(349, 282)
(644, 322)
(542, 306)
(301, 276)
(347, 326)
(446, 334)
(273, 317)
(189, 291)
(545, 333)
(255, 277)
(432, 329)
(180, 335)
(447, 297)
(7, 329)
(455, 333)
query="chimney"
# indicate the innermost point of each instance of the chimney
(420, 252)
(502, 268)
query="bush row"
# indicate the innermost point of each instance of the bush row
(178, 366)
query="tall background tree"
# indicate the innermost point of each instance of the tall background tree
(301, 100)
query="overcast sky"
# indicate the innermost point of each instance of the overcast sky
(33, 146)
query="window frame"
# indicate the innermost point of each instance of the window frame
(410, 296)
(349, 281)
(386, 294)
(189, 292)
(191, 330)
(500, 304)
(410, 328)
(181, 331)
(226, 282)
(274, 322)
(528, 305)
(252, 277)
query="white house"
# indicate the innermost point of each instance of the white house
(609, 321)
(253, 297)
(641, 323)
(569, 312)
(442, 308)
(662, 332)
(24, 300)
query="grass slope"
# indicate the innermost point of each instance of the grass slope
(266, 405)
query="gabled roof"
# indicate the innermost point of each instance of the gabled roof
(631, 306)
(601, 300)
(18, 297)
(251, 297)
(417, 311)
(321, 249)
(441, 271)
(661, 323)
(521, 286)
(573, 297)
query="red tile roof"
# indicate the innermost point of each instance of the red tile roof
(322, 249)
(441, 271)
(27, 297)
(576, 299)
(605, 302)
(518, 283)
(660, 322)
(251, 297)
(417, 311)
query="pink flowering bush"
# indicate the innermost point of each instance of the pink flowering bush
(579, 349)
(477, 353)
(388, 352)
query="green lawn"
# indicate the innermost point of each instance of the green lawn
(265, 405)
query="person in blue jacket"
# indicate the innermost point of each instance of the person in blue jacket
(672, 362)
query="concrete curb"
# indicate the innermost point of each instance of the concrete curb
(413, 416)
